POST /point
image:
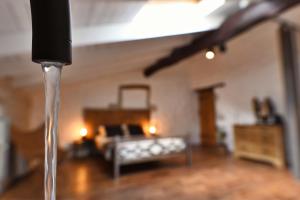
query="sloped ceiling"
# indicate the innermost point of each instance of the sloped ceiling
(15, 16)
(101, 45)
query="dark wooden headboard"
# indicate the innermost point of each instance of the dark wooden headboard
(93, 118)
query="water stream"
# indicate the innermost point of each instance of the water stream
(52, 74)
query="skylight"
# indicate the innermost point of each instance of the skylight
(169, 18)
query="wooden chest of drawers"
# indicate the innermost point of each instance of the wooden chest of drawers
(260, 142)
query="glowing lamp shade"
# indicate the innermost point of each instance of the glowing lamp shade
(210, 55)
(83, 132)
(152, 130)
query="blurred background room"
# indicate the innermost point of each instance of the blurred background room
(165, 99)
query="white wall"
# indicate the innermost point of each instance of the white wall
(250, 68)
(176, 103)
(14, 105)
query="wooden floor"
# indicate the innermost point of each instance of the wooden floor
(213, 176)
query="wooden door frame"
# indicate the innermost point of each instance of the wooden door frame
(201, 90)
(213, 86)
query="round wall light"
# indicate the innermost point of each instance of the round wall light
(210, 54)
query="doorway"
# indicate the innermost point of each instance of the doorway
(207, 114)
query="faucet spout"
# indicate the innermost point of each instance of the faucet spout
(51, 31)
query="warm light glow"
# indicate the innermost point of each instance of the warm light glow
(83, 132)
(152, 130)
(81, 175)
(210, 55)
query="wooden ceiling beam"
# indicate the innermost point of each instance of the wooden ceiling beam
(236, 24)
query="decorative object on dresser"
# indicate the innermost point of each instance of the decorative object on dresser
(265, 111)
(261, 143)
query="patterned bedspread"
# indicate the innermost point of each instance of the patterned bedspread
(138, 149)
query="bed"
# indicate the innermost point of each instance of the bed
(121, 139)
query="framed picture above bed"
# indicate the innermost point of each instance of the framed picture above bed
(134, 96)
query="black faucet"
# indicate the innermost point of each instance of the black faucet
(51, 31)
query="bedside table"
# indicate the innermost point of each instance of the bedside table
(83, 148)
